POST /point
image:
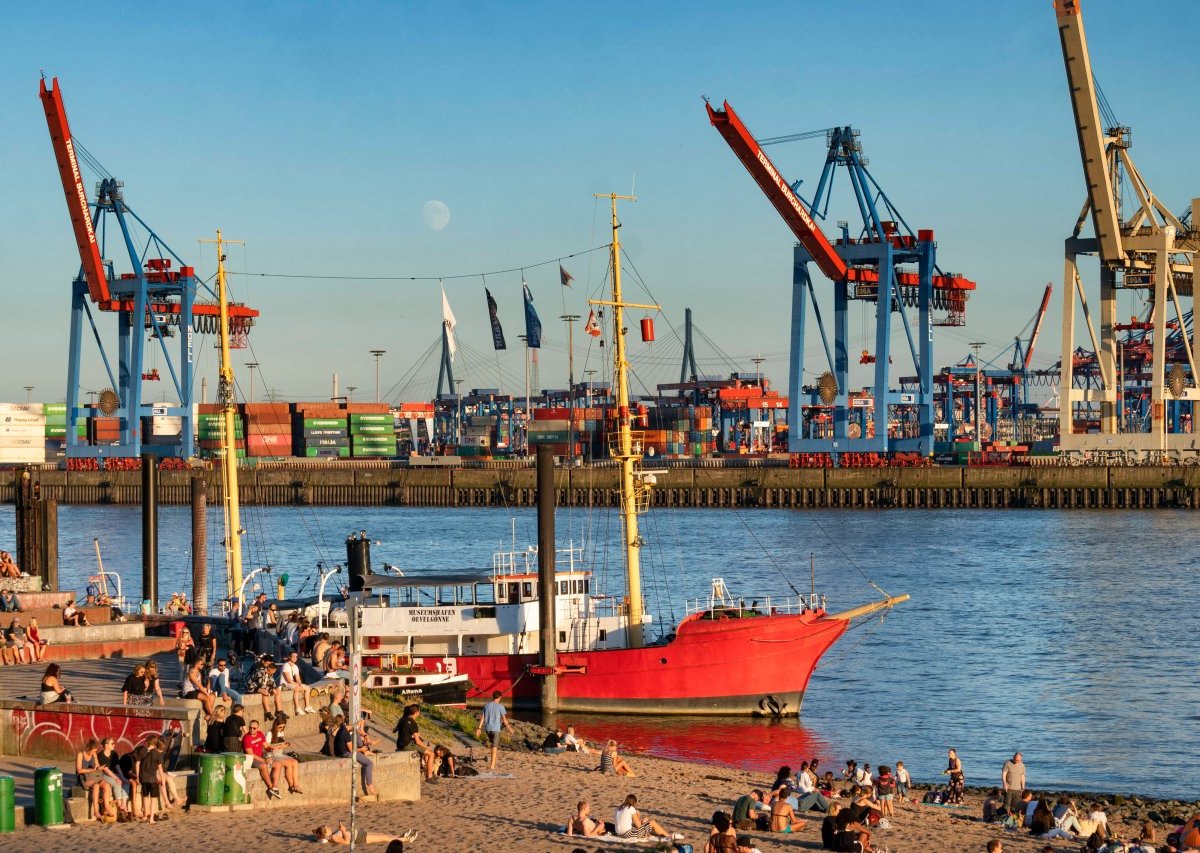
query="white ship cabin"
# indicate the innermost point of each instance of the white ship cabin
(489, 613)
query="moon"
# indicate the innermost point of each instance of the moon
(435, 215)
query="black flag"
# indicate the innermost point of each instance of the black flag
(497, 332)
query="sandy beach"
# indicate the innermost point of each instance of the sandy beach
(524, 811)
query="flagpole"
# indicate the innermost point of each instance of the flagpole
(570, 319)
(528, 414)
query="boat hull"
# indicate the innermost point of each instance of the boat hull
(725, 666)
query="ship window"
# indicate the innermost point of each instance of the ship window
(502, 593)
(514, 592)
(576, 586)
(562, 636)
(562, 587)
(466, 595)
(586, 586)
(603, 635)
(527, 590)
(484, 593)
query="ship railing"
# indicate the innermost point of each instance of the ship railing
(508, 563)
(766, 606)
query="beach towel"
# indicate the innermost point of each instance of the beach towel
(609, 838)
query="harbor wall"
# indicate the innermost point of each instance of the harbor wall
(1106, 487)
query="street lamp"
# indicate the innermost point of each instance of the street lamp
(350, 389)
(29, 393)
(322, 617)
(252, 366)
(241, 590)
(378, 353)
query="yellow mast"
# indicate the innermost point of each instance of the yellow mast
(624, 451)
(225, 395)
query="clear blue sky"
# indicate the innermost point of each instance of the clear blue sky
(316, 132)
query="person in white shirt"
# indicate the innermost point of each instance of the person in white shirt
(575, 744)
(292, 680)
(629, 823)
(218, 682)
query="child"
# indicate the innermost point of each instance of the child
(826, 786)
(885, 786)
(903, 780)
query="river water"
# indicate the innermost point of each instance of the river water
(1070, 636)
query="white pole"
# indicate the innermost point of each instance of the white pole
(355, 705)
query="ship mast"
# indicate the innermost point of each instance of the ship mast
(625, 450)
(226, 397)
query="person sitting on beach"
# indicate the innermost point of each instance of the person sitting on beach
(576, 744)
(829, 828)
(219, 683)
(8, 602)
(195, 688)
(582, 823)
(1042, 825)
(253, 744)
(1066, 816)
(325, 835)
(553, 743)
(52, 689)
(443, 762)
(629, 822)
(292, 680)
(611, 762)
(276, 754)
(827, 785)
(783, 778)
(261, 680)
(1146, 840)
(72, 615)
(722, 838)
(808, 798)
(8, 568)
(995, 846)
(849, 829)
(1025, 812)
(408, 738)
(90, 776)
(992, 806)
(783, 815)
(746, 810)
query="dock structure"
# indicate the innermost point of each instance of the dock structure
(506, 485)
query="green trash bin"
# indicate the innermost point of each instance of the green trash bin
(211, 789)
(8, 805)
(235, 779)
(47, 796)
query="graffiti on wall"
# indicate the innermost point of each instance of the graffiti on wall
(60, 734)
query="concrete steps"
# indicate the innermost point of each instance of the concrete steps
(51, 617)
(105, 633)
(31, 600)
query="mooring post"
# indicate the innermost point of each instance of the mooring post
(547, 583)
(150, 530)
(199, 544)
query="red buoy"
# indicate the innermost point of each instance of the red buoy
(647, 329)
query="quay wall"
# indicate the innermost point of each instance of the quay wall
(1051, 487)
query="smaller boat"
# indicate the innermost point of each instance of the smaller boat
(416, 685)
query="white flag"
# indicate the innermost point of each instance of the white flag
(450, 323)
(592, 327)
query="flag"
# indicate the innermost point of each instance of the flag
(449, 322)
(592, 327)
(565, 276)
(533, 326)
(497, 332)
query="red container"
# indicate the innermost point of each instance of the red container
(647, 329)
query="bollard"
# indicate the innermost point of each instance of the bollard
(47, 796)
(211, 788)
(234, 793)
(8, 805)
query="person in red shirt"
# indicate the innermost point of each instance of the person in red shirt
(253, 742)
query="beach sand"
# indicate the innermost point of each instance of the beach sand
(524, 813)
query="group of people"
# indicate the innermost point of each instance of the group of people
(627, 822)
(229, 731)
(130, 786)
(20, 644)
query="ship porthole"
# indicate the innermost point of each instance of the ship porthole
(662, 660)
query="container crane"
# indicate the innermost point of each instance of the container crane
(873, 266)
(1150, 250)
(152, 303)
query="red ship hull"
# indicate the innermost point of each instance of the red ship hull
(757, 665)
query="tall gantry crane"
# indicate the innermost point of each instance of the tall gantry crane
(1148, 250)
(153, 303)
(874, 265)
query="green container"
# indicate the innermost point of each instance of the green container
(54, 409)
(8, 805)
(374, 440)
(321, 452)
(47, 796)
(324, 423)
(56, 430)
(374, 418)
(211, 789)
(375, 451)
(372, 429)
(233, 791)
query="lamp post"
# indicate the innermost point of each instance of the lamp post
(350, 389)
(378, 353)
(570, 320)
(29, 393)
(322, 617)
(458, 399)
(252, 366)
(237, 605)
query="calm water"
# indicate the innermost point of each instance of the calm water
(1070, 636)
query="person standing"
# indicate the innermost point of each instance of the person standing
(958, 779)
(1012, 780)
(207, 644)
(493, 717)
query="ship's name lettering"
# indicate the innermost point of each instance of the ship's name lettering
(431, 615)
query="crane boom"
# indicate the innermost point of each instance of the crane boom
(1089, 128)
(1037, 323)
(72, 182)
(789, 205)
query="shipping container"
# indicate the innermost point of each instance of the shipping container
(327, 452)
(325, 423)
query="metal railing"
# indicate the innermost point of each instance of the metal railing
(767, 606)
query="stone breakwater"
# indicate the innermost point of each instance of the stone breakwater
(1050, 487)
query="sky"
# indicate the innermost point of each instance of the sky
(318, 132)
